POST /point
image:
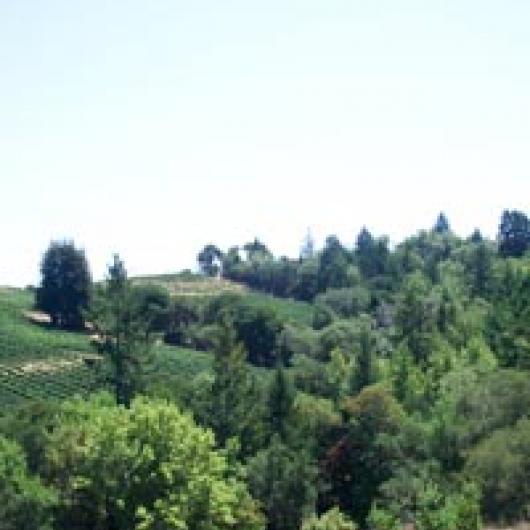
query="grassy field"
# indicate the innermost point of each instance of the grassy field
(37, 362)
(22, 340)
(287, 309)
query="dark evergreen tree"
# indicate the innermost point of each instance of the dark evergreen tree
(442, 224)
(366, 455)
(364, 373)
(258, 328)
(234, 409)
(480, 269)
(256, 248)
(307, 280)
(333, 266)
(123, 328)
(371, 254)
(64, 292)
(476, 236)
(514, 234)
(280, 401)
(283, 480)
(209, 259)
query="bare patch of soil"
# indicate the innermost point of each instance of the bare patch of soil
(37, 317)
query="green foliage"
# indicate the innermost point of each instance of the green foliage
(122, 320)
(306, 286)
(27, 425)
(315, 422)
(431, 320)
(333, 519)
(372, 255)
(323, 316)
(333, 265)
(209, 258)
(341, 334)
(366, 454)
(146, 467)
(234, 399)
(26, 504)
(437, 510)
(284, 481)
(382, 519)
(501, 465)
(258, 329)
(507, 322)
(152, 304)
(338, 373)
(514, 234)
(64, 292)
(365, 370)
(280, 403)
(416, 317)
(346, 302)
(297, 340)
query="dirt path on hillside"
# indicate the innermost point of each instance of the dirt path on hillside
(47, 366)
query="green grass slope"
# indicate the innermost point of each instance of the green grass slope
(38, 362)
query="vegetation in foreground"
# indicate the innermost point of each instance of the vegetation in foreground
(394, 390)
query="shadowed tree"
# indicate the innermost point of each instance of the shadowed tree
(209, 260)
(122, 323)
(64, 292)
(514, 234)
(442, 224)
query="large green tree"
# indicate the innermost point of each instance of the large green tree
(122, 322)
(234, 399)
(365, 456)
(284, 481)
(64, 291)
(333, 265)
(148, 467)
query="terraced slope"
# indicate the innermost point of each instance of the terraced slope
(199, 286)
(38, 362)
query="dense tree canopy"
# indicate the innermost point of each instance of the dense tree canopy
(64, 292)
(394, 390)
(146, 467)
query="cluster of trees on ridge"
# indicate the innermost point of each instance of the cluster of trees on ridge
(406, 400)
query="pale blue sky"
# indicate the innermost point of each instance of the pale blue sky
(154, 127)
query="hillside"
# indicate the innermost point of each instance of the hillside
(189, 285)
(38, 362)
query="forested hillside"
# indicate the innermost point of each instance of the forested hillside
(358, 385)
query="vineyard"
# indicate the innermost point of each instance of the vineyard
(38, 362)
(57, 380)
(198, 286)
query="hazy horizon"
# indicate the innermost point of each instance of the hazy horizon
(151, 129)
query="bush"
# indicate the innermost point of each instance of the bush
(347, 302)
(501, 466)
(26, 504)
(333, 519)
(343, 334)
(283, 480)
